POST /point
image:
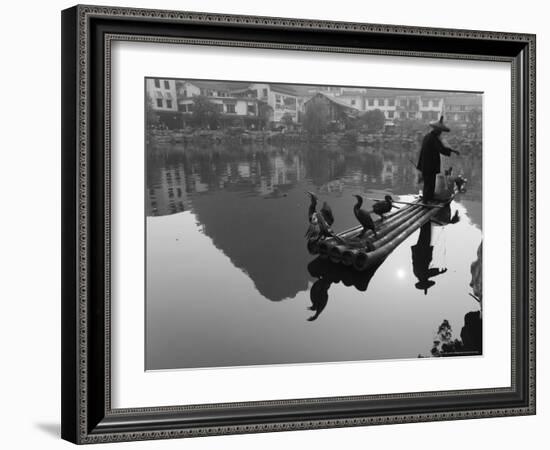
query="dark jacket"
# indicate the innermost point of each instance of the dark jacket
(429, 161)
(422, 253)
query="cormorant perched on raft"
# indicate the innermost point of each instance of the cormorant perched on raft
(312, 206)
(325, 209)
(383, 206)
(320, 222)
(327, 214)
(363, 216)
(460, 181)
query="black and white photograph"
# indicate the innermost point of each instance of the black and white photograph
(275, 225)
(299, 224)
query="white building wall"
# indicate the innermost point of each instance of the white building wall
(241, 107)
(188, 89)
(162, 94)
(259, 88)
(356, 101)
(383, 104)
(431, 107)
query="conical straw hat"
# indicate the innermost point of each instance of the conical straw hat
(439, 125)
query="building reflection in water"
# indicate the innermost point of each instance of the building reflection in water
(169, 194)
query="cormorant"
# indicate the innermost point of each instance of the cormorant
(327, 214)
(325, 209)
(320, 222)
(383, 206)
(460, 181)
(363, 216)
(313, 205)
(314, 230)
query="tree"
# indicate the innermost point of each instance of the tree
(287, 119)
(316, 118)
(373, 120)
(205, 113)
(410, 126)
(150, 113)
(265, 113)
(474, 119)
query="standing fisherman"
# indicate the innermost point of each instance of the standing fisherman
(429, 162)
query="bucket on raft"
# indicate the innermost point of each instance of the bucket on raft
(443, 187)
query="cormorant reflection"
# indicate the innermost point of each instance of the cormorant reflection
(422, 257)
(319, 297)
(328, 273)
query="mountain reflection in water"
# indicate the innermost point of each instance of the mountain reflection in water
(249, 205)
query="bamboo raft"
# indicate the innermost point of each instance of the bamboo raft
(369, 251)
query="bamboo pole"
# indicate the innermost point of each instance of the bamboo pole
(383, 231)
(335, 253)
(325, 248)
(397, 230)
(379, 224)
(426, 205)
(365, 260)
(382, 252)
(348, 256)
(389, 229)
(385, 228)
(361, 261)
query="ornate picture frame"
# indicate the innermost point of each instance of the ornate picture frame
(88, 33)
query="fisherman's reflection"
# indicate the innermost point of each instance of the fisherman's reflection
(422, 257)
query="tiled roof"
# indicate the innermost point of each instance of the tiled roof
(335, 100)
(218, 85)
(284, 89)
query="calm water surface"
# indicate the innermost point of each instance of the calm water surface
(229, 279)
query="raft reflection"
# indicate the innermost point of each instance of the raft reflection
(328, 273)
(445, 344)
